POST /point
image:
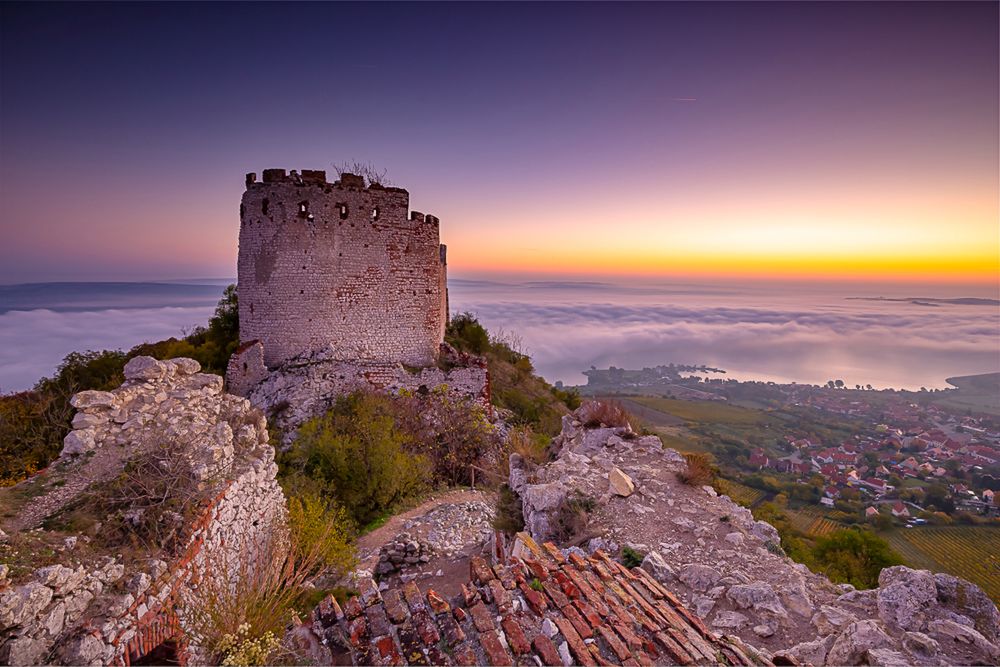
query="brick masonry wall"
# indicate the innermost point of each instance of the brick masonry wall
(339, 266)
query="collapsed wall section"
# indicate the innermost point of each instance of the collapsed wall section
(308, 385)
(339, 267)
(96, 607)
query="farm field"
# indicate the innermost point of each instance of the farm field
(970, 552)
(812, 521)
(716, 412)
(742, 494)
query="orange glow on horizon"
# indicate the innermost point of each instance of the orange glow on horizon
(980, 269)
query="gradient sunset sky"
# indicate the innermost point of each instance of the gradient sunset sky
(791, 140)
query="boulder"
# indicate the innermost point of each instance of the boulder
(758, 596)
(79, 441)
(966, 635)
(699, 577)
(766, 532)
(969, 600)
(808, 653)
(920, 644)
(185, 366)
(886, 657)
(83, 650)
(853, 644)
(731, 620)
(904, 596)
(795, 597)
(620, 484)
(736, 539)
(831, 620)
(23, 603)
(24, 650)
(658, 567)
(91, 400)
(145, 368)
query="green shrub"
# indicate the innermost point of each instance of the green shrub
(854, 556)
(509, 511)
(569, 397)
(321, 526)
(451, 432)
(631, 557)
(465, 333)
(356, 455)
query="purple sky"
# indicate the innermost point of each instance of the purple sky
(543, 135)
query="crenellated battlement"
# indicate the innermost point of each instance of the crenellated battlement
(377, 195)
(340, 266)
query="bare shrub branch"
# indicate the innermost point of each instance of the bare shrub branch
(595, 414)
(372, 174)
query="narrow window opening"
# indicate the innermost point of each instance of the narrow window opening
(265, 205)
(343, 211)
(375, 213)
(245, 367)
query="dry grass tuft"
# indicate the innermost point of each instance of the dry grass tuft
(596, 414)
(245, 603)
(701, 470)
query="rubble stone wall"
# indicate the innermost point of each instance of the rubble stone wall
(105, 612)
(308, 385)
(339, 266)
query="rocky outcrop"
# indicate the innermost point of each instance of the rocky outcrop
(93, 607)
(730, 569)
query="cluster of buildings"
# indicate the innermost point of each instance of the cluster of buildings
(905, 441)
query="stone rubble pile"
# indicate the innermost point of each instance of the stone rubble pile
(454, 527)
(403, 552)
(731, 571)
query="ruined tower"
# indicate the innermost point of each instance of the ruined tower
(339, 267)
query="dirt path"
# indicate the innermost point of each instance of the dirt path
(442, 573)
(370, 543)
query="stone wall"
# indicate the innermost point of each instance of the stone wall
(103, 609)
(339, 267)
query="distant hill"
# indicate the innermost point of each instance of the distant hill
(74, 296)
(979, 393)
(927, 301)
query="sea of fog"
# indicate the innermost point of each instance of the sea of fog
(913, 337)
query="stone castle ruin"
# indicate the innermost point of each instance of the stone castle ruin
(339, 266)
(341, 287)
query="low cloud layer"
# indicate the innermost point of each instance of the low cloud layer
(567, 327)
(33, 342)
(897, 345)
